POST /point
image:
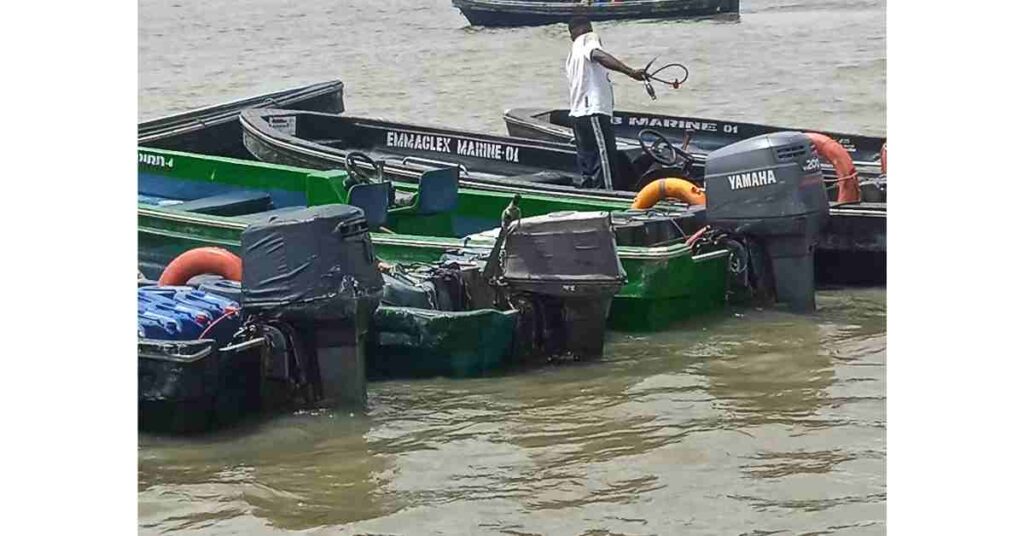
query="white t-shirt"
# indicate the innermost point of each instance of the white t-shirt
(590, 87)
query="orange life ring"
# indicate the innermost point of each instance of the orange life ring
(849, 184)
(883, 157)
(675, 188)
(206, 260)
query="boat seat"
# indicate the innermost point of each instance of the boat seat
(546, 177)
(439, 191)
(373, 199)
(229, 204)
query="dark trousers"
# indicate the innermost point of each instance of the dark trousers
(595, 151)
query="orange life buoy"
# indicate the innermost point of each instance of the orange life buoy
(675, 188)
(849, 184)
(883, 157)
(206, 260)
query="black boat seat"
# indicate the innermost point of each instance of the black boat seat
(373, 199)
(229, 204)
(439, 191)
(546, 177)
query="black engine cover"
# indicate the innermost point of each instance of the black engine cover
(310, 264)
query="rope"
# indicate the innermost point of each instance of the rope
(834, 183)
(230, 312)
(852, 176)
(675, 83)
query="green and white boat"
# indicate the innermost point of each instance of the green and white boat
(188, 201)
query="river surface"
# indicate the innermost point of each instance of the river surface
(749, 422)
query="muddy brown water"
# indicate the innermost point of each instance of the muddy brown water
(746, 422)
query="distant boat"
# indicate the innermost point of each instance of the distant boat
(538, 12)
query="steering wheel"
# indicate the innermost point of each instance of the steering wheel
(355, 173)
(657, 146)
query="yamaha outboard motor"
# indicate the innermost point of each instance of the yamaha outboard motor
(562, 269)
(312, 272)
(770, 188)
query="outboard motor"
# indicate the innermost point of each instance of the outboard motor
(770, 188)
(562, 269)
(313, 273)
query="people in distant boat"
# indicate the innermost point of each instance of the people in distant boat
(591, 103)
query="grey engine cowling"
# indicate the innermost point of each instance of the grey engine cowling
(770, 189)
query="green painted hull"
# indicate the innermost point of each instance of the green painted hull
(665, 284)
(424, 343)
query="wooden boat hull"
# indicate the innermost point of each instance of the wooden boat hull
(507, 165)
(535, 13)
(665, 284)
(214, 130)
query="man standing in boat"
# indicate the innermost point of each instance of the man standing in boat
(591, 103)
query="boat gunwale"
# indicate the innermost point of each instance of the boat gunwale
(147, 350)
(622, 7)
(529, 117)
(305, 147)
(227, 222)
(185, 121)
(406, 240)
(402, 171)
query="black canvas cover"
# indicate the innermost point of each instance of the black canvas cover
(563, 253)
(453, 284)
(656, 226)
(312, 263)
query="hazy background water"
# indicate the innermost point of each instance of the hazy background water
(750, 422)
(806, 63)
